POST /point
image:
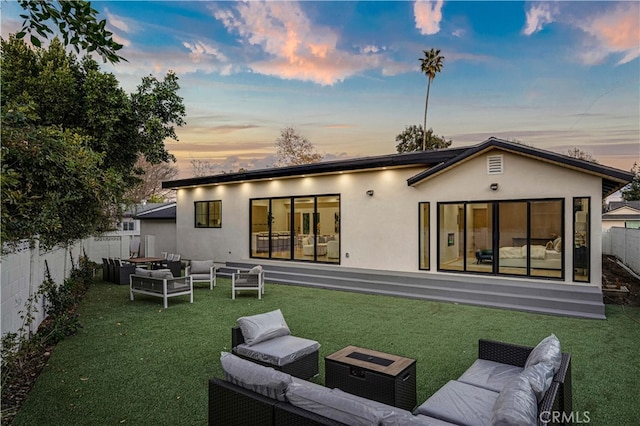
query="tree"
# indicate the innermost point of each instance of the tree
(75, 20)
(431, 64)
(150, 186)
(54, 187)
(631, 192)
(54, 105)
(293, 149)
(413, 139)
(581, 155)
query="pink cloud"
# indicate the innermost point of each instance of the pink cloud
(615, 31)
(539, 15)
(428, 15)
(296, 48)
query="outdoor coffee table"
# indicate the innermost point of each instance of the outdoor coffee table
(382, 377)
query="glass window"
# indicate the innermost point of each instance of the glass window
(424, 235)
(479, 237)
(298, 228)
(545, 255)
(581, 238)
(503, 237)
(208, 214)
(450, 233)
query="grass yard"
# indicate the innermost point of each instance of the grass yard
(137, 363)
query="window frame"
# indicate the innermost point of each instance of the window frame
(207, 215)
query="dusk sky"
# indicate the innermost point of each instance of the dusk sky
(553, 75)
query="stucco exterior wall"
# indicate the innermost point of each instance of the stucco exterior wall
(164, 232)
(381, 231)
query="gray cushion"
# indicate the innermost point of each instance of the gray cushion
(548, 350)
(460, 403)
(143, 272)
(255, 270)
(201, 266)
(255, 377)
(261, 327)
(279, 351)
(200, 277)
(516, 404)
(490, 374)
(161, 273)
(540, 377)
(331, 403)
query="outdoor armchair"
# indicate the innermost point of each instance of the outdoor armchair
(202, 271)
(252, 279)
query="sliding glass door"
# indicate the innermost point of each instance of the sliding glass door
(296, 228)
(502, 237)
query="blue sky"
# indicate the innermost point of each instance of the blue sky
(554, 75)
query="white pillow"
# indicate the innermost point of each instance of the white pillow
(261, 327)
(201, 266)
(255, 270)
(161, 273)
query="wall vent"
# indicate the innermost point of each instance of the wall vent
(495, 165)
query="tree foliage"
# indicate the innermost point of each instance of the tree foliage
(75, 20)
(413, 139)
(631, 192)
(430, 65)
(292, 148)
(150, 186)
(576, 152)
(71, 137)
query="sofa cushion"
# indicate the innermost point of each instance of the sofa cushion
(548, 350)
(161, 273)
(255, 377)
(516, 404)
(255, 270)
(540, 377)
(142, 272)
(394, 416)
(460, 403)
(489, 374)
(331, 403)
(261, 327)
(280, 350)
(201, 267)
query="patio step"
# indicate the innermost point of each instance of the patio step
(499, 292)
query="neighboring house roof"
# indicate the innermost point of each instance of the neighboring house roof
(608, 216)
(614, 205)
(162, 211)
(436, 160)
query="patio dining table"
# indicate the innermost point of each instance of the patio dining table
(146, 260)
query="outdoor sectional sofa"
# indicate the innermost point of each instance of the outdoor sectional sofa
(253, 394)
(160, 283)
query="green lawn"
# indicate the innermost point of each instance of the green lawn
(137, 363)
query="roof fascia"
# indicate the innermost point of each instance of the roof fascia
(424, 158)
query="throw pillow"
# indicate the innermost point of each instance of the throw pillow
(261, 327)
(255, 377)
(143, 272)
(516, 404)
(201, 266)
(548, 350)
(540, 377)
(255, 270)
(164, 274)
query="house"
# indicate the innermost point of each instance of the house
(623, 214)
(497, 224)
(157, 229)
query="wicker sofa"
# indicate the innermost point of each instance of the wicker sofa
(159, 283)
(275, 399)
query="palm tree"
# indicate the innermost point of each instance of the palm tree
(430, 65)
